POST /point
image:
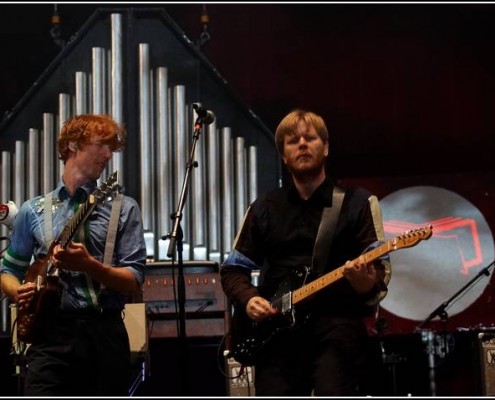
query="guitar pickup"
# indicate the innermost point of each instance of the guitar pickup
(286, 303)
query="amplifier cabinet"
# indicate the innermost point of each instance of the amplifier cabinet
(487, 359)
(205, 302)
(240, 381)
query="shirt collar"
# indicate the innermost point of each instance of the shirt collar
(82, 192)
(322, 195)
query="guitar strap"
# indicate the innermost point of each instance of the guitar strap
(48, 220)
(112, 229)
(326, 231)
(112, 226)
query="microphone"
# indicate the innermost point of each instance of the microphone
(206, 116)
(7, 214)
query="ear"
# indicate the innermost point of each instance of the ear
(284, 159)
(326, 149)
(73, 146)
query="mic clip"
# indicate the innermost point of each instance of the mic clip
(204, 116)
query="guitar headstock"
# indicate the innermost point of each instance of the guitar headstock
(413, 237)
(106, 188)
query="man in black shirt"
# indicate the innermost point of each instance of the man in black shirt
(323, 353)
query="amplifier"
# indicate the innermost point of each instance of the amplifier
(205, 302)
(487, 355)
(240, 380)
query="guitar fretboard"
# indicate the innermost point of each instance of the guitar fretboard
(408, 239)
(73, 225)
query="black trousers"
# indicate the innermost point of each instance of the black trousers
(79, 355)
(324, 357)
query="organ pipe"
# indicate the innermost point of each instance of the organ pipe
(34, 166)
(64, 113)
(252, 173)
(213, 192)
(164, 159)
(98, 81)
(48, 164)
(226, 170)
(180, 147)
(145, 135)
(116, 87)
(81, 97)
(240, 180)
(198, 196)
(20, 172)
(7, 183)
(222, 186)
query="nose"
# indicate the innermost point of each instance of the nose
(302, 141)
(107, 153)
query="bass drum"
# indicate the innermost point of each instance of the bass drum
(437, 271)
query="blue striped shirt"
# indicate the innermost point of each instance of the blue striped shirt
(29, 241)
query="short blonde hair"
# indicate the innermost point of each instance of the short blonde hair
(287, 126)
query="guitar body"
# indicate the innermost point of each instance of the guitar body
(249, 337)
(45, 300)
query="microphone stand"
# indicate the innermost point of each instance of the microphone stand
(176, 241)
(441, 312)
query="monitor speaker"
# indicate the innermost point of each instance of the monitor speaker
(240, 380)
(487, 358)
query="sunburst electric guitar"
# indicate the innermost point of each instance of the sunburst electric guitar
(45, 275)
(249, 337)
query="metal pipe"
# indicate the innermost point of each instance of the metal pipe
(6, 188)
(117, 87)
(48, 165)
(145, 136)
(5, 197)
(240, 180)
(164, 160)
(81, 100)
(198, 188)
(180, 146)
(252, 173)
(34, 166)
(64, 113)
(20, 172)
(213, 182)
(226, 169)
(98, 81)
(97, 105)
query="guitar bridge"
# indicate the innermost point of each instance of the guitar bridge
(286, 303)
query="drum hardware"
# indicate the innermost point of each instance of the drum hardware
(440, 311)
(18, 351)
(430, 339)
(390, 360)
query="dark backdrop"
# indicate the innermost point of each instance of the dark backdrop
(394, 82)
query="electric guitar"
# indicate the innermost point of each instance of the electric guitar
(47, 296)
(249, 337)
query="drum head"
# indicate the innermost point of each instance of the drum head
(432, 272)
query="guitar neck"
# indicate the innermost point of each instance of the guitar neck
(75, 222)
(326, 280)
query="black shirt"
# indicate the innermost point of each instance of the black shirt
(278, 236)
